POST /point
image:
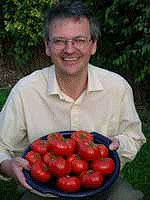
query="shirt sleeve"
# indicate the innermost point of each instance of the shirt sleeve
(130, 130)
(12, 127)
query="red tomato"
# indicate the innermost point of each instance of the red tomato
(33, 157)
(56, 135)
(71, 146)
(91, 179)
(40, 172)
(48, 157)
(104, 152)
(82, 136)
(40, 146)
(72, 157)
(106, 166)
(64, 147)
(59, 167)
(68, 183)
(77, 164)
(88, 151)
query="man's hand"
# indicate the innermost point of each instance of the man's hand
(114, 144)
(13, 168)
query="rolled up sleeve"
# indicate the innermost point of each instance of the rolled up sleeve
(12, 131)
(130, 130)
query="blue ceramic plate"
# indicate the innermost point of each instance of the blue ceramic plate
(49, 188)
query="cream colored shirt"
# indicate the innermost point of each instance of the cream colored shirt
(37, 107)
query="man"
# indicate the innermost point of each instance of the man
(70, 95)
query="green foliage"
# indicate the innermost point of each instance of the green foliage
(137, 172)
(8, 190)
(22, 21)
(124, 46)
(3, 95)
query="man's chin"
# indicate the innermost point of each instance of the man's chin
(70, 70)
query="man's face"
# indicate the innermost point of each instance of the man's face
(70, 58)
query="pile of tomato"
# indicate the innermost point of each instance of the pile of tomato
(75, 162)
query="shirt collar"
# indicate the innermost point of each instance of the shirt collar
(53, 87)
(94, 83)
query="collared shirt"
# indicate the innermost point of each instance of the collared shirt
(36, 107)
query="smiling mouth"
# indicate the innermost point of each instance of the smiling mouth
(70, 59)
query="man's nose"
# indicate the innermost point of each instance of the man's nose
(69, 47)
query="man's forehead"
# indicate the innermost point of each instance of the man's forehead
(70, 27)
(66, 20)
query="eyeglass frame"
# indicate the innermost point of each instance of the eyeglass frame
(73, 40)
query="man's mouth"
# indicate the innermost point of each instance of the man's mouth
(70, 59)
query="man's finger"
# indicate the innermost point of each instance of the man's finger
(114, 144)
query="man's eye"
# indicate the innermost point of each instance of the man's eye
(58, 41)
(80, 40)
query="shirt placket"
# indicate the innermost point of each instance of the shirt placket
(75, 120)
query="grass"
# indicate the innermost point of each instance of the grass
(136, 172)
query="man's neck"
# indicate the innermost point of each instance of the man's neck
(72, 86)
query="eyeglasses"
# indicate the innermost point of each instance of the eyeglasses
(77, 42)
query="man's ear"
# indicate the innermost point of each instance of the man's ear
(94, 47)
(47, 48)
